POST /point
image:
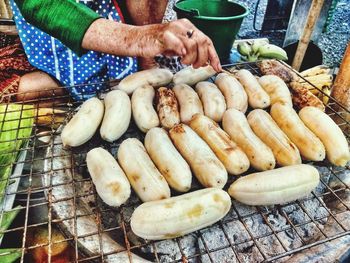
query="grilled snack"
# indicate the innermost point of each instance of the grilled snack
(310, 147)
(259, 155)
(191, 76)
(212, 100)
(189, 102)
(276, 88)
(273, 67)
(178, 216)
(84, 123)
(234, 93)
(330, 134)
(155, 77)
(233, 158)
(257, 97)
(109, 179)
(209, 171)
(117, 115)
(303, 97)
(277, 186)
(285, 152)
(168, 160)
(167, 107)
(144, 177)
(142, 108)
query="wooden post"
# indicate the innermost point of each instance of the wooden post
(312, 17)
(341, 89)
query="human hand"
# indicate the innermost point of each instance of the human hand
(180, 38)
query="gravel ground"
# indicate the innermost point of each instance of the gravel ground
(332, 43)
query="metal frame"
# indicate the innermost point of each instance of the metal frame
(99, 210)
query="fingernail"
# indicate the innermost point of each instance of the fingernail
(183, 51)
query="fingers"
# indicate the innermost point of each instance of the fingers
(191, 50)
(173, 44)
(214, 59)
(196, 50)
(202, 50)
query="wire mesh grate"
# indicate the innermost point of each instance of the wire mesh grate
(56, 192)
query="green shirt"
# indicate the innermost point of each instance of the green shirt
(65, 20)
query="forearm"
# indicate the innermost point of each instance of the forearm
(65, 20)
(120, 39)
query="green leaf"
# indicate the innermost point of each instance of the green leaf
(16, 123)
(11, 254)
(7, 219)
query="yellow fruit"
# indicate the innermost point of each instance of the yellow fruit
(317, 70)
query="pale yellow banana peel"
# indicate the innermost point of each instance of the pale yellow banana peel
(325, 97)
(319, 78)
(317, 70)
(49, 117)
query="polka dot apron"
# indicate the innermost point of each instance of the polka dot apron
(50, 55)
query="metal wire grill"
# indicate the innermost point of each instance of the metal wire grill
(40, 185)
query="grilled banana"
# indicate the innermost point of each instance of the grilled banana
(168, 160)
(191, 76)
(257, 97)
(330, 134)
(236, 125)
(142, 108)
(155, 77)
(233, 158)
(109, 179)
(310, 147)
(233, 91)
(213, 101)
(117, 115)
(189, 102)
(167, 107)
(84, 123)
(285, 152)
(178, 216)
(277, 186)
(208, 169)
(276, 88)
(144, 177)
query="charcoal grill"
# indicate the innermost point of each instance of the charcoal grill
(319, 231)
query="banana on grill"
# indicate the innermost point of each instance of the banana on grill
(276, 186)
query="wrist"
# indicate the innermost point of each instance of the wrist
(148, 40)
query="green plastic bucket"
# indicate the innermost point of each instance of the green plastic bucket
(218, 19)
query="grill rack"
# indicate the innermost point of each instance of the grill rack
(28, 193)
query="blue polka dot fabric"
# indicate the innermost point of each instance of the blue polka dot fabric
(85, 73)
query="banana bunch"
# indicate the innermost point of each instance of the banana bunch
(320, 77)
(259, 49)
